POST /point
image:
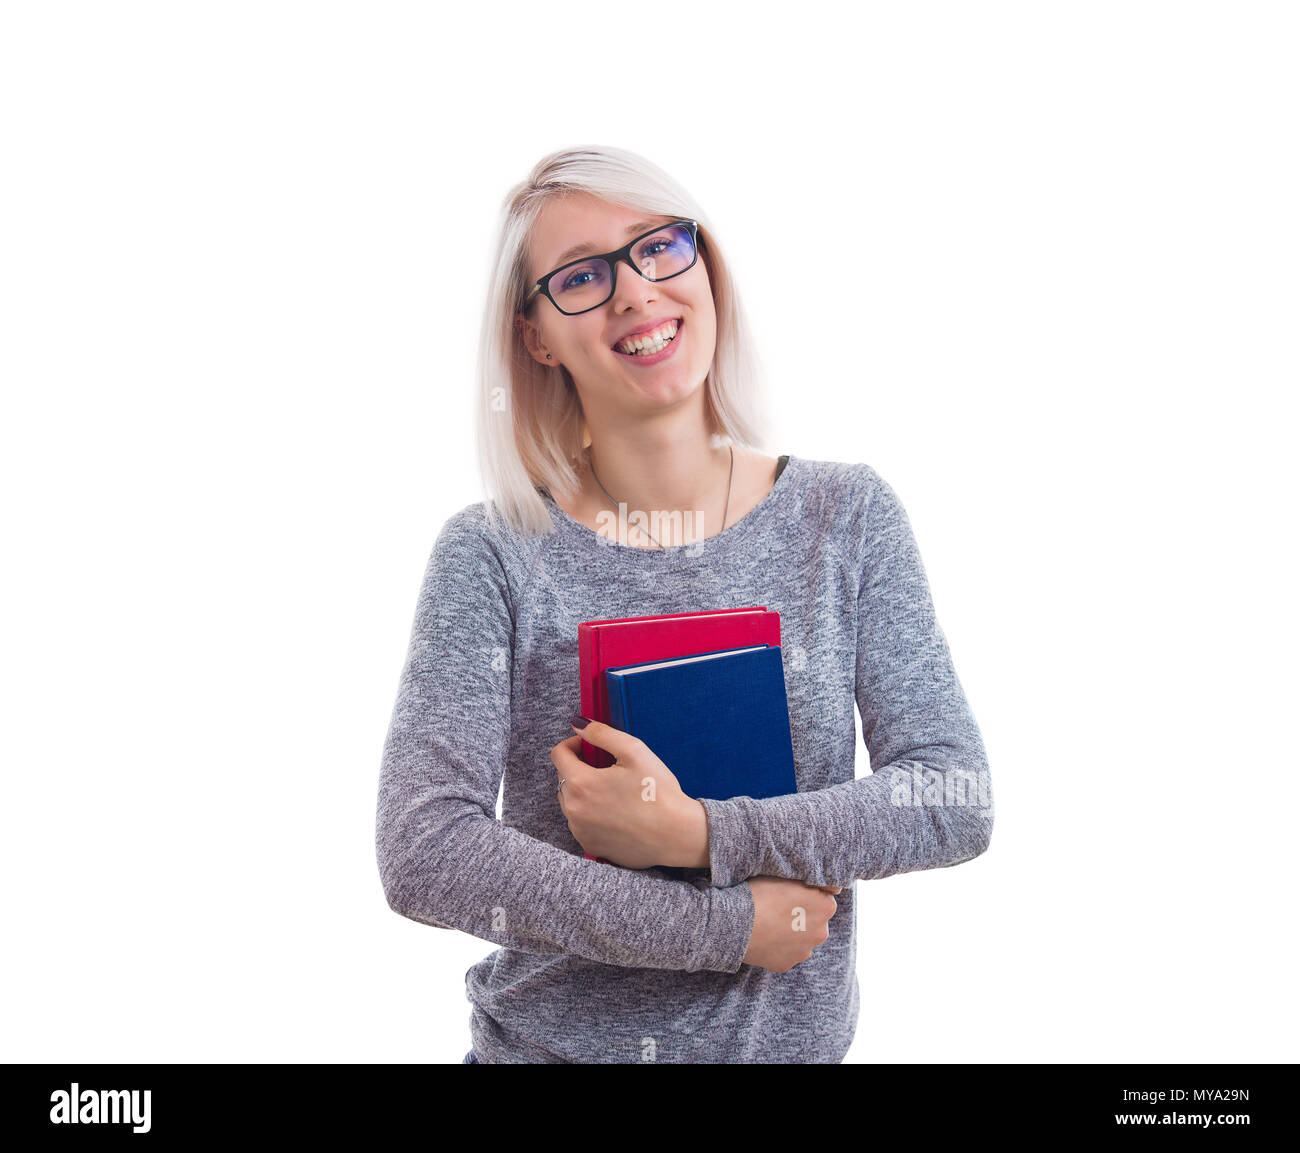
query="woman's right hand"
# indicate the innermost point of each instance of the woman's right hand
(790, 920)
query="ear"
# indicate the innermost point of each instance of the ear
(531, 336)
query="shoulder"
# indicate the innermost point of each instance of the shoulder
(478, 537)
(469, 524)
(850, 505)
(846, 495)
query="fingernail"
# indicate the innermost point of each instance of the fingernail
(579, 722)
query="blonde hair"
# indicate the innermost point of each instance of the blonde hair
(530, 421)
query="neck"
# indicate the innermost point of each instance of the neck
(666, 473)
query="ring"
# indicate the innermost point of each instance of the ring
(560, 787)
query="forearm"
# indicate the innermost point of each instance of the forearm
(925, 813)
(444, 859)
(928, 802)
(449, 864)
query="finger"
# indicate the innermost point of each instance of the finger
(566, 764)
(571, 745)
(607, 737)
(569, 764)
(565, 758)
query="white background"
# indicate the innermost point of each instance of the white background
(1034, 262)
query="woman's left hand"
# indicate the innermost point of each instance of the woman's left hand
(633, 812)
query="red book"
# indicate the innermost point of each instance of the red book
(630, 640)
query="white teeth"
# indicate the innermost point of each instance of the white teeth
(650, 342)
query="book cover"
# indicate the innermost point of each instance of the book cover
(603, 644)
(625, 640)
(719, 720)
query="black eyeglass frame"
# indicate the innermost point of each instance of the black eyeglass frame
(613, 259)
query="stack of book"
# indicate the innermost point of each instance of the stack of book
(704, 690)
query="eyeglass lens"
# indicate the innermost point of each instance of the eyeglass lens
(591, 282)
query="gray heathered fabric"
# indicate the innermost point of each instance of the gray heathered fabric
(604, 964)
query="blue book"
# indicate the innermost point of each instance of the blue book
(719, 720)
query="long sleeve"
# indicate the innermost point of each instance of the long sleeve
(446, 860)
(927, 803)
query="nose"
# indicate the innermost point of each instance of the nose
(631, 288)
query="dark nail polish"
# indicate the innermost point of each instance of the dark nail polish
(579, 722)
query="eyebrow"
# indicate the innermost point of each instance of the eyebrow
(583, 249)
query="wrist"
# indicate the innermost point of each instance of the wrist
(690, 844)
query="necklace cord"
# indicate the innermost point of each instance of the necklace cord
(726, 506)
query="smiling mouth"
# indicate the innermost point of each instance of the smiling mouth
(653, 347)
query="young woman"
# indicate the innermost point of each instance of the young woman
(618, 382)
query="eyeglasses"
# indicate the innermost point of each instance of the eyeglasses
(584, 284)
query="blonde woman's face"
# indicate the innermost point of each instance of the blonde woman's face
(590, 344)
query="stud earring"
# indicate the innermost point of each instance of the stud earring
(548, 356)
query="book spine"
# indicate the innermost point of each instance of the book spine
(617, 702)
(594, 707)
(588, 675)
(587, 649)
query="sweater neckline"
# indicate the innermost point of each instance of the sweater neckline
(579, 535)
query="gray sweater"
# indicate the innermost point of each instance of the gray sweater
(598, 963)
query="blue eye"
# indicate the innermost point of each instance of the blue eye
(584, 276)
(653, 248)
